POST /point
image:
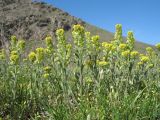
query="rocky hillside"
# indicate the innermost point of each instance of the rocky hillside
(34, 20)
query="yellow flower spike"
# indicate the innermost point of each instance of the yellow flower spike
(32, 56)
(40, 54)
(95, 38)
(140, 63)
(134, 54)
(149, 49)
(88, 36)
(48, 41)
(68, 46)
(60, 32)
(13, 42)
(47, 69)
(125, 53)
(130, 40)
(123, 46)
(14, 59)
(107, 46)
(78, 28)
(60, 37)
(47, 51)
(40, 50)
(118, 33)
(21, 44)
(150, 66)
(102, 63)
(88, 40)
(78, 34)
(113, 48)
(95, 42)
(158, 46)
(69, 49)
(46, 75)
(14, 39)
(144, 59)
(14, 52)
(104, 44)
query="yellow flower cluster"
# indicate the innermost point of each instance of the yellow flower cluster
(134, 54)
(144, 59)
(102, 63)
(158, 46)
(13, 39)
(108, 46)
(48, 51)
(95, 42)
(78, 34)
(123, 46)
(48, 41)
(130, 40)
(40, 54)
(13, 42)
(118, 34)
(60, 36)
(88, 41)
(46, 75)
(32, 56)
(114, 50)
(149, 49)
(21, 44)
(151, 65)
(78, 28)
(60, 32)
(69, 50)
(47, 69)
(126, 53)
(14, 57)
(88, 36)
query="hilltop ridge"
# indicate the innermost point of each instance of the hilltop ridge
(34, 20)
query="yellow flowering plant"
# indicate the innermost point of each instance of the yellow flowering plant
(32, 56)
(79, 79)
(158, 46)
(21, 45)
(14, 58)
(134, 54)
(13, 42)
(123, 46)
(49, 43)
(130, 40)
(118, 35)
(40, 54)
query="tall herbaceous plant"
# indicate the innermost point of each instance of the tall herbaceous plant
(80, 80)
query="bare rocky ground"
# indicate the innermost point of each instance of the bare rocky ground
(32, 20)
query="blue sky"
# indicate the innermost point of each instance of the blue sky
(140, 16)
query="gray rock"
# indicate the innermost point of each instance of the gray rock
(28, 19)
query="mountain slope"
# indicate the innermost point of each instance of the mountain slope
(34, 20)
